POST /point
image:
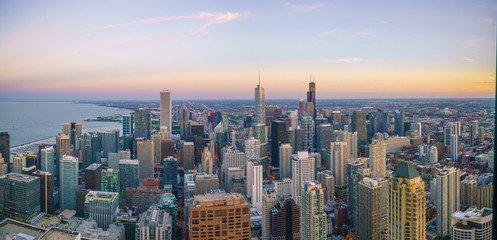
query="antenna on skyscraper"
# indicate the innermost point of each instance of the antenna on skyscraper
(259, 77)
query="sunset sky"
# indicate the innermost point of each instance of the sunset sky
(78, 50)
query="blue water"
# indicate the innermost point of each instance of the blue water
(32, 121)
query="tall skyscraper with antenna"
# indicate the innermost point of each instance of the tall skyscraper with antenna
(311, 98)
(165, 109)
(260, 103)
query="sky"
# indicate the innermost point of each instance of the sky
(95, 50)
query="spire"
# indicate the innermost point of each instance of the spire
(259, 77)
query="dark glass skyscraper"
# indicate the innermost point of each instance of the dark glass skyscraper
(285, 219)
(359, 126)
(278, 136)
(381, 121)
(311, 97)
(5, 146)
(143, 123)
(399, 122)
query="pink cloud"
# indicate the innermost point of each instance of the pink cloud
(305, 8)
(210, 18)
(475, 42)
(328, 33)
(486, 20)
(364, 33)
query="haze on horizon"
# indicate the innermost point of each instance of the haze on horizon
(64, 50)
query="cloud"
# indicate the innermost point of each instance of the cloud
(209, 18)
(475, 42)
(486, 20)
(305, 8)
(328, 32)
(353, 59)
(363, 33)
(469, 60)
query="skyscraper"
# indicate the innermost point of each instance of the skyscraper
(260, 104)
(303, 170)
(171, 171)
(110, 140)
(4, 167)
(377, 156)
(219, 205)
(324, 136)
(278, 137)
(307, 125)
(165, 109)
(381, 121)
(447, 189)
(369, 205)
(20, 197)
(19, 161)
(469, 191)
(285, 151)
(129, 173)
(327, 181)
(93, 177)
(102, 207)
(339, 162)
(313, 217)
(46, 191)
(184, 118)
(448, 131)
(285, 219)
(143, 123)
(433, 154)
(188, 153)
(154, 224)
(472, 224)
(128, 124)
(68, 182)
(454, 147)
(145, 154)
(207, 163)
(254, 183)
(311, 98)
(110, 180)
(5, 146)
(407, 204)
(47, 158)
(399, 122)
(359, 126)
(63, 146)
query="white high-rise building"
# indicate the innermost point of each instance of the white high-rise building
(472, 224)
(102, 207)
(344, 136)
(207, 161)
(377, 157)
(285, 163)
(448, 197)
(312, 215)
(165, 109)
(433, 155)
(338, 157)
(353, 145)
(254, 183)
(303, 170)
(454, 147)
(252, 149)
(68, 181)
(457, 128)
(19, 161)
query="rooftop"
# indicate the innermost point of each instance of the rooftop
(60, 234)
(405, 170)
(219, 199)
(473, 213)
(93, 166)
(129, 161)
(18, 177)
(99, 196)
(12, 226)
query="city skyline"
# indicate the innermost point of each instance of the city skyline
(215, 50)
